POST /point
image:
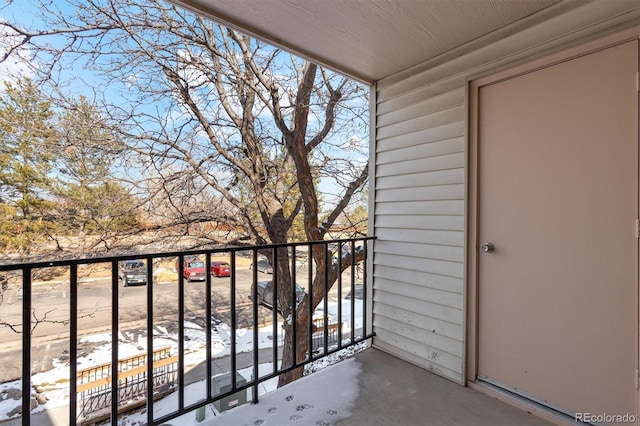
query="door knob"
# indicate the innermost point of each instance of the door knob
(487, 247)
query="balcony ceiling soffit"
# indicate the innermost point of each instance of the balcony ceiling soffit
(368, 39)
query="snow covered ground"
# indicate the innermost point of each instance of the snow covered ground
(304, 403)
(320, 399)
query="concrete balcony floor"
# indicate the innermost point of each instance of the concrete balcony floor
(375, 389)
(393, 391)
(371, 389)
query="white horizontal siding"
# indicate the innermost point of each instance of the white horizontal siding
(424, 150)
(411, 180)
(419, 353)
(441, 162)
(419, 223)
(450, 349)
(450, 115)
(442, 223)
(445, 238)
(418, 95)
(446, 299)
(435, 192)
(426, 251)
(412, 304)
(419, 182)
(421, 320)
(437, 207)
(439, 132)
(427, 106)
(440, 267)
(420, 278)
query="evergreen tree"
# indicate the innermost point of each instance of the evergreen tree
(27, 143)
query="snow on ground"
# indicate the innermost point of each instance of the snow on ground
(54, 384)
(317, 399)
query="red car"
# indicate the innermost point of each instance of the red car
(193, 269)
(220, 269)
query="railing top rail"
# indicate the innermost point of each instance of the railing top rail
(165, 349)
(175, 253)
(318, 341)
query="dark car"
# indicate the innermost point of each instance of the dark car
(345, 253)
(132, 272)
(263, 266)
(220, 269)
(193, 269)
(265, 294)
(359, 292)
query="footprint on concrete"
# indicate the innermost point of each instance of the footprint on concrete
(295, 418)
(272, 410)
(289, 398)
(322, 423)
(259, 422)
(303, 407)
(332, 412)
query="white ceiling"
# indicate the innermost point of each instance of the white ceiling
(368, 39)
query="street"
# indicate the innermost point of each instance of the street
(51, 302)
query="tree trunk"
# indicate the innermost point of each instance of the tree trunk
(300, 347)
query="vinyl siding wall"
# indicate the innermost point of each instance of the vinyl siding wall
(419, 181)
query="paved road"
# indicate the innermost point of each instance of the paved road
(50, 302)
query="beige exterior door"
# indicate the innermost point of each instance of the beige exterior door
(558, 198)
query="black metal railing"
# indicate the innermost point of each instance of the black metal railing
(235, 303)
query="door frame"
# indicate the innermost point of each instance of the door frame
(473, 86)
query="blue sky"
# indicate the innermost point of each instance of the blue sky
(82, 81)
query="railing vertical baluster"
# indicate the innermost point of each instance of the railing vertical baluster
(115, 335)
(274, 311)
(364, 288)
(325, 306)
(73, 342)
(149, 346)
(146, 383)
(208, 323)
(26, 346)
(294, 314)
(353, 291)
(181, 338)
(255, 327)
(340, 294)
(310, 296)
(232, 299)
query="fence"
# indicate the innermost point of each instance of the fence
(319, 336)
(96, 390)
(94, 384)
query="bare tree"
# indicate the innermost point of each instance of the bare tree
(219, 127)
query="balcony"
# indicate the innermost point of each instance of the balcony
(373, 388)
(76, 317)
(164, 335)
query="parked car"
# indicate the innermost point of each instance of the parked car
(359, 289)
(220, 269)
(346, 253)
(265, 294)
(263, 266)
(132, 272)
(193, 269)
